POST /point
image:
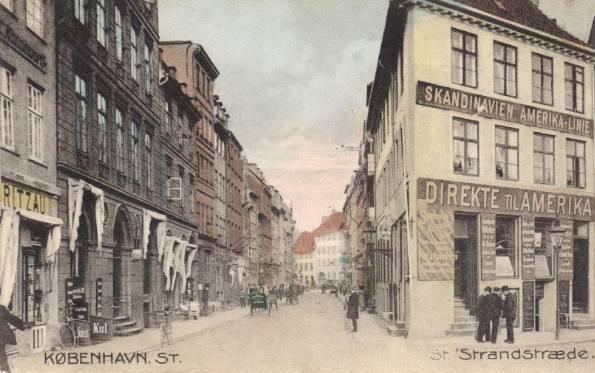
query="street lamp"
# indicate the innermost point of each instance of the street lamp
(557, 235)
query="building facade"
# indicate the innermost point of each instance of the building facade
(469, 213)
(29, 224)
(329, 248)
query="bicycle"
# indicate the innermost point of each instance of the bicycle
(70, 333)
(165, 327)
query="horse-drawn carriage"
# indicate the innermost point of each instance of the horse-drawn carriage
(291, 296)
(257, 300)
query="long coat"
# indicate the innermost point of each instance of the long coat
(7, 336)
(353, 306)
(509, 307)
(493, 305)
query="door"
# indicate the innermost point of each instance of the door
(117, 275)
(465, 260)
(580, 277)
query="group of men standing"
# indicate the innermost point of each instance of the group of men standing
(492, 305)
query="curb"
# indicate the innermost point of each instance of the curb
(189, 335)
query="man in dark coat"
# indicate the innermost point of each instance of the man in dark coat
(509, 313)
(494, 308)
(483, 327)
(7, 336)
(352, 309)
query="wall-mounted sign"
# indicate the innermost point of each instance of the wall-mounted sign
(76, 304)
(488, 247)
(453, 99)
(99, 296)
(528, 306)
(504, 200)
(21, 46)
(25, 199)
(435, 237)
(101, 328)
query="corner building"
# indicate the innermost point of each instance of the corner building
(482, 123)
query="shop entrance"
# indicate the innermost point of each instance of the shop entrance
(580, 268)
(120, 232)
(465, 260)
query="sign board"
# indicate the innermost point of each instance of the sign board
(564, 292)
(473, 197)
(433, 95)
(435, 237)
(99, 296)
(22, 46)
(257, 298)
(565, 265)
(82, 329)
(25, 199)
(527, 248)
(76, 304)
(101, 328)
(528, 306)
(488, 247)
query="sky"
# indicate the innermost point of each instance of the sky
(293, 78)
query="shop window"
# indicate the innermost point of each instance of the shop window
(506, 253)
(543, 248)
(575, 163)
(543, 158)
(505, 69)
(32, 294)
(465, 147)
(507, 153)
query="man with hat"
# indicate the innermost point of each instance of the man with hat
(483, 327)
(509, 313)
(494, 308)
(353, 309)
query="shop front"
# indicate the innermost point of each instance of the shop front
(30, 236)
(470, 236)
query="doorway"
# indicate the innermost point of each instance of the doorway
(117, 271)
(580, 268)
(465, 260)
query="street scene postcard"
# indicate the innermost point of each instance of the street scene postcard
(297, 186)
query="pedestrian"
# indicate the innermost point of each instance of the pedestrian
(7, 336)
(323, 288)
(493, 309)
(509, 313)
(483, 327)
(353, 309)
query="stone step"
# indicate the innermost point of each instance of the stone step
(128, 331)
(584, 326)
(120, 318)
(396, 331)
(125, 324)
(465, 318)
(460, 332)
(581, 316)
(463, 325)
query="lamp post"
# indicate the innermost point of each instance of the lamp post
(557, 235)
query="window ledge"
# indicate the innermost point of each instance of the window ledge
(37, 36)
(38, 162)
(10, 150)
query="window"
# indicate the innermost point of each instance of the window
(35, 119)
(543, 158)
(543, 82)
(147, 65)
(81, 113)
(35, 16)
(574, 79)
(575, 163)
(100, 23)
(149, 157)
(543, 248)
(6, 124)
(465, 147)
(464, 58)
(507, 153)
(118, 28)
(505, 69)
(134, 151)
(119, 142)
(31, 286)
(133, 53)
(168, 117)
(102, 129)
(80, 11)
(506, 247)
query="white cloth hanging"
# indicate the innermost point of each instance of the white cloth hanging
(167, 259)
(148, 217)
(189, 260)
(76, 191)
(54, 231)
(10, 248)
(182, 264)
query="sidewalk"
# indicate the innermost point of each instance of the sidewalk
(150, 339)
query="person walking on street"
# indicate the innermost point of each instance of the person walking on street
(509, 313)
(494, 308)
(353, 309)
(7, 336)
(483, 327)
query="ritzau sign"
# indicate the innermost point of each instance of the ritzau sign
(453, 99)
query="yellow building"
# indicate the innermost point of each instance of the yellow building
(481, 119)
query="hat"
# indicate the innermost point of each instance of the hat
(488, 289)
(505, 288)
(496, 289)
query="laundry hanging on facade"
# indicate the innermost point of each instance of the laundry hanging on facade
(76, 191)
(148, 217)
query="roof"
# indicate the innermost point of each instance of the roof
(524, 12)
(592, 36)
(305, 242)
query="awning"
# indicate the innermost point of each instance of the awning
(148, 217)
(76, 189)
(54, 231)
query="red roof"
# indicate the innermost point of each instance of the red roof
(524, 12)
(304, 244)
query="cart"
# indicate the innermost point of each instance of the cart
(292, 296)
(258, 300)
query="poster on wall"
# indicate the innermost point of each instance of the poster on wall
(435, 237)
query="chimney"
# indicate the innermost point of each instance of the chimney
(592, 35)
